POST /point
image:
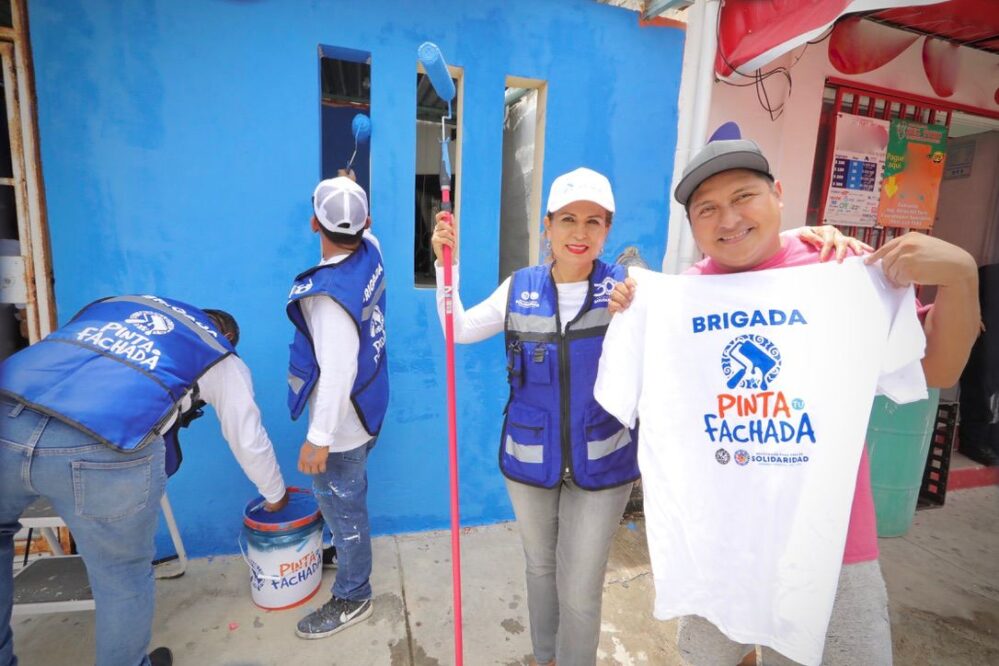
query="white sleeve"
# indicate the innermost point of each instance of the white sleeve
(482, 321)
(334, 337)
(901, 378)
(228, 387)
(620, 373)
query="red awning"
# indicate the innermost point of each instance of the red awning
(753, 33)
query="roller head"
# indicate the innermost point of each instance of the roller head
(433, 62)
(361, 128)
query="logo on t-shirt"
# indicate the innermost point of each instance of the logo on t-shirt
(750, 411)
(750, 362)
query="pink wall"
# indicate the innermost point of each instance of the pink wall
(789, 142)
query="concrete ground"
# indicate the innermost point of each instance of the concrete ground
(943, 581)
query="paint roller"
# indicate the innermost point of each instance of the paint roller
(432, 59)
(753, 360)
(360, 127)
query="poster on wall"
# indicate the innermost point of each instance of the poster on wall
(858, 160)
(913, 170)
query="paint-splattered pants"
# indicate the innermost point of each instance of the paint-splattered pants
(342, 493)
(567, 534)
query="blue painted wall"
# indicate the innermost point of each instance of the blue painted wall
(180, 145)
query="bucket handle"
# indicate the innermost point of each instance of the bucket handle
(253, 572)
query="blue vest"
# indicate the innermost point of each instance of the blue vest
(554, 428)
(357, 284)
(119, 369)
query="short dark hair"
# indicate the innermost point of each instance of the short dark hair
(349, 240)
(226, 324)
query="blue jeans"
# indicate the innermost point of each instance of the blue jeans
(342, 493)
(109, 500)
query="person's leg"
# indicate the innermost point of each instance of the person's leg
(700, 643)
(341, 492)
(110, 501)
(587, 523)
(859, 629)
(536, 510)
(17, 438)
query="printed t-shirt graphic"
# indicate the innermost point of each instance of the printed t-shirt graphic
(754, 392)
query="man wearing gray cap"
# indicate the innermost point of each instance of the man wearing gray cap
(339, 370)
(734, 205)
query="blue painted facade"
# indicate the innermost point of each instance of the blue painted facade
(180, 146)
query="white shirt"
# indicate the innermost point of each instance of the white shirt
(486, 319)
(333, 420)
(228, 387)
(752, 427)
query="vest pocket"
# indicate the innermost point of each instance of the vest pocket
(525, 442)
(537, 363)
(607, 441)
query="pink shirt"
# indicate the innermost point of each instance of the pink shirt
(862, 533)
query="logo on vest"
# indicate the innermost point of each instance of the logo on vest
(151, 323)
(119, 340)
(372, 281)
(300, 288)
(529, 299)
(603, 289)
(377, 332)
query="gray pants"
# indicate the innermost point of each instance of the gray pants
(859, 630)
(567, 534)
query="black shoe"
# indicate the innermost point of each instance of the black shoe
(985, 457)
(161, 656)
(329, 557)
(331, 617)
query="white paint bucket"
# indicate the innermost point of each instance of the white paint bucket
(284, 551)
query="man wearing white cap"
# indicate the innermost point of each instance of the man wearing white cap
(339, 369)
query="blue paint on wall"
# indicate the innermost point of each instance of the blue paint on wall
(180, 144)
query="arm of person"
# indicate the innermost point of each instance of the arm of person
(228, 387)
(482, 321)
(954, 321)
(336, 343)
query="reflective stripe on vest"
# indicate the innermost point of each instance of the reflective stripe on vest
(554, 428)
(357, 284)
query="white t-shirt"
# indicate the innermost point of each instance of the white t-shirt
(333, 420)
(486, 319)
(754, 392)
(228, 387)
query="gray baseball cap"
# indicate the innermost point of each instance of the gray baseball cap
(716, 157)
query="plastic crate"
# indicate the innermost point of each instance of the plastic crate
(933, 491)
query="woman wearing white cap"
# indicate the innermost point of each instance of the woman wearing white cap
(569, 465)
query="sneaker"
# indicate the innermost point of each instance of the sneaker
(329, 557)
(331, 617)
(161, 656)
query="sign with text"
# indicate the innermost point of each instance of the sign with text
(913, 170)
(858, 161)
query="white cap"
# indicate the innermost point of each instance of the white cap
(581, 185)
(341, 205)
